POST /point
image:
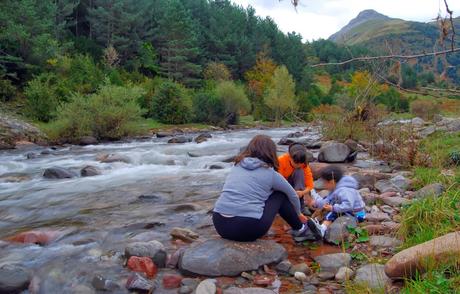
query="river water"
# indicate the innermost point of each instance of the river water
(95, 217)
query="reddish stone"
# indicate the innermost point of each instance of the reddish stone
(142, 265)
(171, 281)
(263, 281)
(388, 194)
(35, 237)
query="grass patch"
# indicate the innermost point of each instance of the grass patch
(360, 288)
(445, 279)
(439, 146)
(429, 218)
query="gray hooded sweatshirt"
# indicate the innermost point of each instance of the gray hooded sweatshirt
(247, 187)
(345, 197)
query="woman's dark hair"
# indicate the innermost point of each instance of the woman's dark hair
(298, 153)
(263, 148)
(331, 172)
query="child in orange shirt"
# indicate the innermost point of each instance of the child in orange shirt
(293, 166)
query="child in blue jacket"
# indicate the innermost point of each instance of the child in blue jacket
(344, 199)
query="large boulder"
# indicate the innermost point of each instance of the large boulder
(431, 190)
(219, 257)
(372, 275)
(153, 249)
(417, 258)
(13, 130)
(202, 138)
(334, 152)
(333, 262)
(338, 230)
(13, 279)
(58, 173)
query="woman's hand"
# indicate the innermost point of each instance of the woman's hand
(328, 207)
(303, 218)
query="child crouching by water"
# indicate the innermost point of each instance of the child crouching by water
(344, 199)
(254, 193)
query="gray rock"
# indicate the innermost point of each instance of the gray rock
(387, 209)
(334, 152)
(365, 180)
(338, 230)
(58, 173)
(164, 134)
(300, 276)
(326, 275)
(377, 217)
(90, 171)
(206, 287)
(284, 266)
(401, 182)
(309, 289)
(395, 201)
(153, 249)
(384, 186)
(235, 290)
(427, 131)
(87, 140)
(219, 257)
(300, 267)
(372, 275)
(192, 283)
(216, 166)
(417, 121)
(431, 190)
(185, 290)
(384, 241)
(13, 279)
(344, 274)
(333, 262)
(180, 140)
(31, 155)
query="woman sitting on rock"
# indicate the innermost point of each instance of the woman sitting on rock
(254, 193)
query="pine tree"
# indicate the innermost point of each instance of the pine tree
(178, 46)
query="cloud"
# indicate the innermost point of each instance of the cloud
(319, 19)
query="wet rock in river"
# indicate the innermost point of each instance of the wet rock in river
(334, 152)
(431, 190)
(14, 177)
(216, 166)
(180, 140)
(109, 158)
(372, 275)
(338, 230)
(164, 134)
(31, 155)
(407, 262)
(202, 138)
(13, 279)
(143, 265)
(333, 262)
(40, 237)
(90, 171)
(58, 173)
(137, 282)
(219, 257)
(102, 284)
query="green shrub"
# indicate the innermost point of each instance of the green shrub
(7, 90)
(208, 107)
(111, 113)
(42, 97)
(234, 99)
(171, 104)
(393, 100)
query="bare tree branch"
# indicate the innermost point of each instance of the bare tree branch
(393, 56)
(450, 12)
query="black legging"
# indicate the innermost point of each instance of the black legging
(247, 229)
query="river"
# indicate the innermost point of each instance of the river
(163, 186)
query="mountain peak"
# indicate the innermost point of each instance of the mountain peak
(363, 16)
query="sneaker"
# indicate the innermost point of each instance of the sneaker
(315, 228)
(306, 235)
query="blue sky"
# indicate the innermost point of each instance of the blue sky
(321, 18)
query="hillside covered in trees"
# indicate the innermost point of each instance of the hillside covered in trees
(100, 67)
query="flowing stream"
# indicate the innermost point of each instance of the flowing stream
(163, 186)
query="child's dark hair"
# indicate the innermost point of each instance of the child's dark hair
(331, 172)
(298, 153)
